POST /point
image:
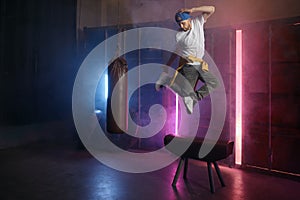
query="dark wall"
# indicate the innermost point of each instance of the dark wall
(271, 66)
(141, 99)
(37, 60)
(271, 95)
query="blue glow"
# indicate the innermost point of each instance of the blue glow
(97, 111)
(106, 86)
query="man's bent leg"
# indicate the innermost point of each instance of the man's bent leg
(191, 76)
(210, 83)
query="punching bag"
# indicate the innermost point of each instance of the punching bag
(116, 70)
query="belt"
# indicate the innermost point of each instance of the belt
(189, 59)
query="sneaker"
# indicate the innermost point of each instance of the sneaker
(163, 80)
(189, 104)
(194, 96)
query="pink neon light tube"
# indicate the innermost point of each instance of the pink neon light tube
(176, 115)
(239, 99)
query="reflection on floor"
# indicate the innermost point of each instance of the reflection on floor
(44, 171)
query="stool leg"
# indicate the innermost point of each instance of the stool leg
(177, 172)
(211, 180)
(185, 168)
(219, 173)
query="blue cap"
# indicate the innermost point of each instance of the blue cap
(180, 16)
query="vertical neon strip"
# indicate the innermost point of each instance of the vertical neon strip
(239, 92)
(176, 115)
(106, 85)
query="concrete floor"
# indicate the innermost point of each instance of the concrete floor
(45, 171)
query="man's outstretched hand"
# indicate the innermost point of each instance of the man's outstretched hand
(163, 80)
(158, 87)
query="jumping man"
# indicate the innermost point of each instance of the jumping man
(190, 46)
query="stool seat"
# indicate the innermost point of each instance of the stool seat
(221, 150)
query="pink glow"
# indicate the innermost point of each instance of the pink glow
(239, 100)
(176, 115)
